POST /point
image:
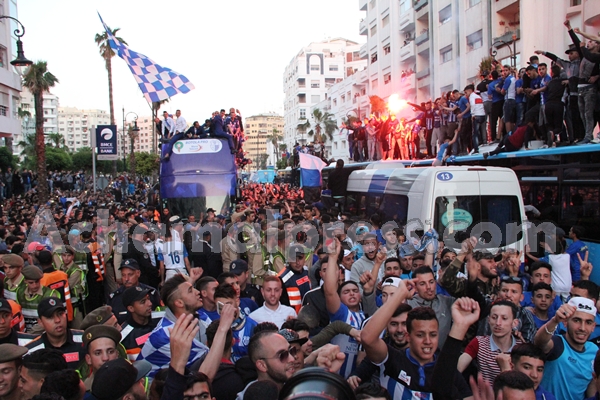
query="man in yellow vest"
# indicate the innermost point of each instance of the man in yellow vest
(56, 280)
(32, 295)
(13, 267)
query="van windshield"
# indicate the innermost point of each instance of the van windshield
(391, 207)
(459, 214)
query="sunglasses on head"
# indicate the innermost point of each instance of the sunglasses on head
(511, 279)
(284, 355)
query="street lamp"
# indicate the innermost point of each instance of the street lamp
(513, 51)
(135, 129)
(21, 61)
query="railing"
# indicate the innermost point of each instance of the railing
(422, 38)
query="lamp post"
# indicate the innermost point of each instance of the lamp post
(21, 60)
(513, 50)
(134, 131)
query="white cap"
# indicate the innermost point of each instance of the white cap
(584, 305)
(391, 281)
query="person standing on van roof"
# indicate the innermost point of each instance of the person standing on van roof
(338, 180)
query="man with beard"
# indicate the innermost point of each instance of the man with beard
(570, 357)
(272, 310)
(295, 276)
(427, 296)
(180, 298)
(395, 336)
(10, 363)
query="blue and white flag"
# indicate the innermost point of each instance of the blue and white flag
(157, 83)
(310, 170)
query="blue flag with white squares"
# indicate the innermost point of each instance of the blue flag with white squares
(157, 83)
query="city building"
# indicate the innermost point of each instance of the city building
(309, 75)
(143, 141)
(10, 81)
(27, 120)
(259, 130)
(77, 126)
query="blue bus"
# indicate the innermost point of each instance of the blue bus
(200, 174)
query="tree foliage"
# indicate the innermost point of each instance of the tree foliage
(7, 159)
(146, 164)
(323, 125)
(58, 159)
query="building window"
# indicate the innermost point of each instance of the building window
(373, 58)
(335, 102)
(386, 49)
(315, 67)
(302, 113)
(387, 78)
(3, 63)
(473, 2)
(446, 54)
(475, 40)
(315, 84)
(374, 84)
(385, 21)
(373, 30)
(445, 14)
(333, 67)
(575, 3)
(372, 4)
(315, 98)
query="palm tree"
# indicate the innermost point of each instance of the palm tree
(302, 129)
(275, 138)
(28, 145)
(323, 124)
(57, 140)
(107, 53)
(39, 81)
(23, 115)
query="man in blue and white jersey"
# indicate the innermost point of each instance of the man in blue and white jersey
(343, 304)
(242, 326)
(172, 255)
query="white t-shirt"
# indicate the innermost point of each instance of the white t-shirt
(172, 254)
(561, 272)
(278, 316)
(476, 105)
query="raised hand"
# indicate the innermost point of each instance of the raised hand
(481, 390)
(565, 312)
(196, 273)
(227, 315)
(538, 52)
(182, 335)
(465, 311)
(567, 23)
(354, 382)
(586, 267)
(330, 357)
(577, 31)
(367, 281)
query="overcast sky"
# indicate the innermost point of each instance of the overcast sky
(234, 51)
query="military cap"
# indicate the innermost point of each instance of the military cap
(49, 305)
(10, 352)
(14, 260)
(31, 272)
(133, 294)
(70, 250)
(130, 263)
(99, 331)
(5, 306)
(97, 317)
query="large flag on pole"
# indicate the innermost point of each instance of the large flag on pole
(157, 83)
(310, 170)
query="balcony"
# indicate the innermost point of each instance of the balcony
(362, 5)
(407, 53)
(422, 38)
(420, 4)
(507, 37)
(423, 83)
(362, 76)
(363, 52)
(506, 6)
(407, 21)
(592, 12)
(362, 27)
(423, 73)
(422, 13)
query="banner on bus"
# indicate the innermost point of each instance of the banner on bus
(106, 142)
(197, 146)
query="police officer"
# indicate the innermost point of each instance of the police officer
(13, 266)
(101, 343)
(137, 251)
(130, 274)
(31, 296)
(10, 361)
(140, 321)
(53, 318)
(295, 276)
(100, 316)
(240, 269)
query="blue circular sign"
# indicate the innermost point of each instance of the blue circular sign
(445, 176)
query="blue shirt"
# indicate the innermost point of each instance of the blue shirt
(527, 302)
(462, 105)
(442, 152)
(578, 247)
(348, 344)
(543, 394)
(241, 338)
(496, 97)
(510, 88)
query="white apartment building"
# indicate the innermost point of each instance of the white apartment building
(77, 126)
(10, 81)
(143, 142)
(27, 123)
(310, 74)
(444, 41)
(258, 129)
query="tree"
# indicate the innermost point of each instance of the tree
(58, 159)
(107, 53)
(301, 128)
(39, 81)
(275, 138)
(57, 140)
(323, 124)
(7, 159)
(146, 163)
(378, 105)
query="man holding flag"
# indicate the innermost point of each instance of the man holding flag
(310, 176)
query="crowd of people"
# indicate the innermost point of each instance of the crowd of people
(145, 304)
(556, 104)
(220, 125)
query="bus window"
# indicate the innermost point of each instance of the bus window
(394, 207)
(461, 213)
(581, 206)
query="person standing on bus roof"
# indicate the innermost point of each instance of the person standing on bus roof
(218, 129)
(168, 126)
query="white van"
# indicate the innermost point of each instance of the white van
(481, 201)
